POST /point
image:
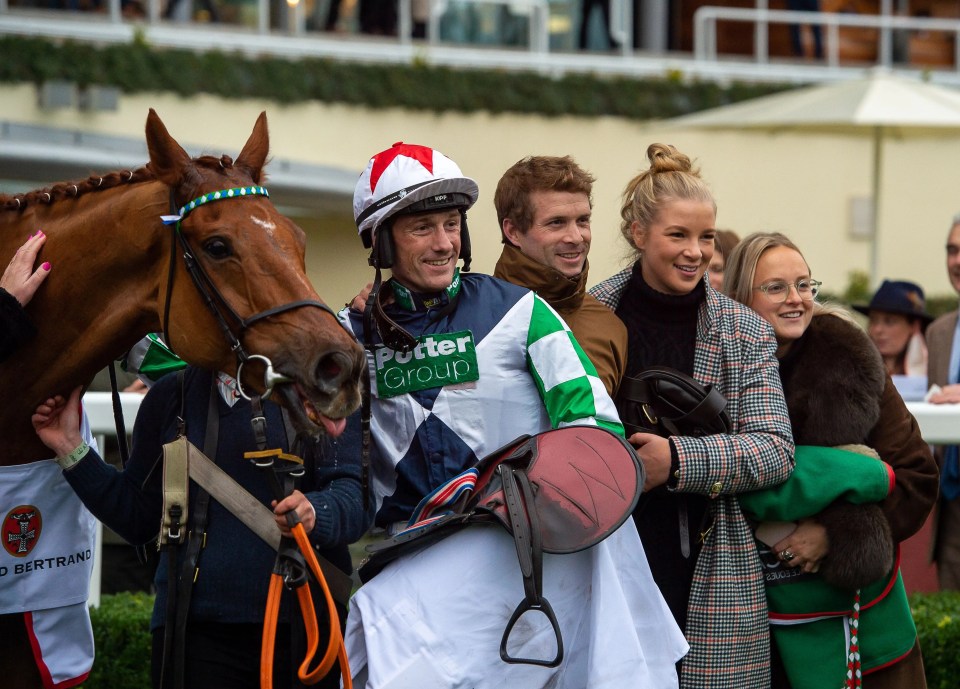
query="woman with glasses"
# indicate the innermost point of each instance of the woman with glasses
(699, 544)
(838, 393)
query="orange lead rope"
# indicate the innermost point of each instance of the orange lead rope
(289, 571)
(335, 647)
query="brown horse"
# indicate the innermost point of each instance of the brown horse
(119, 273)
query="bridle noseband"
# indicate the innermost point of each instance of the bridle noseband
(215, 301)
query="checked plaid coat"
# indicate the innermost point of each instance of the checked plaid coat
(727, 615)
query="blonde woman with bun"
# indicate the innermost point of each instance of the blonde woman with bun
(699, 545)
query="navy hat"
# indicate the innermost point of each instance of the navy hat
(898, 296)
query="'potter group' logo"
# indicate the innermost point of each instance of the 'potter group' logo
(21, 530)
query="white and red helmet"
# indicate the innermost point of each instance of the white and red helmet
(403, 175)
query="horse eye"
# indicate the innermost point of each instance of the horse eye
(217, 248)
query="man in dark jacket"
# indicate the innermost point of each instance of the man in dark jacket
(943, 370)
(227, 585)
(544, 207)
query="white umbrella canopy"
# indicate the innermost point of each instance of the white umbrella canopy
(878, 105)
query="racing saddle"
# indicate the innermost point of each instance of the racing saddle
(560, 491)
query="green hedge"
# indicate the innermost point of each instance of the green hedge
(121, 633)
(138, 67)
(938, 625)
(121, 629)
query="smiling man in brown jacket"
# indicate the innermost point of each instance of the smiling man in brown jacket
(543, 206)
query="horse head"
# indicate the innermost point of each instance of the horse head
(236, 295)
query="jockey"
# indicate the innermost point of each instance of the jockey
(460, 365)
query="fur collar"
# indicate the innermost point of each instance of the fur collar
(833, 379)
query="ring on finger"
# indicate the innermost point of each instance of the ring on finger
(787, 555)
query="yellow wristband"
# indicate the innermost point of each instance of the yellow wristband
(67, 461)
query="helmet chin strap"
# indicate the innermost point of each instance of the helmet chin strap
(465, 253)
(391, 333)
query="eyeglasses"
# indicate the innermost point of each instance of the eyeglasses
(778, 291)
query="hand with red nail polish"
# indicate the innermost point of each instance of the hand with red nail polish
(20, 278)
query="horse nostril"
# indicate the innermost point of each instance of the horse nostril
(329, 367)
(332, 369)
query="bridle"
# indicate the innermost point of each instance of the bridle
(221, 309)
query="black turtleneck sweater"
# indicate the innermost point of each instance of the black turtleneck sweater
(661, 328)
(662, 331)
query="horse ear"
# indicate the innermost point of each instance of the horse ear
(254, 153)
(167, 157)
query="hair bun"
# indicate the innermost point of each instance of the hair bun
(666, 158)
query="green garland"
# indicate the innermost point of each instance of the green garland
(138, 67)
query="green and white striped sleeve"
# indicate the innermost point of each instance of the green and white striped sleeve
(567, 380)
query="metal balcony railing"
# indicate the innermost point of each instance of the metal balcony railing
(292, 19)
(279, 28)
(706, 18)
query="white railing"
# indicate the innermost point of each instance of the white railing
(705, 21)
(939, 423)
(293, 19)
(99, 409)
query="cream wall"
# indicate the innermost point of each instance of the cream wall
(799, 184)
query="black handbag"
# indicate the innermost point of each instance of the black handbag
(664, 401)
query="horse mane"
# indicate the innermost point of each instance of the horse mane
(71, 190)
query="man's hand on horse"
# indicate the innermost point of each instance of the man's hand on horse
(295, 502)
(19, 278)
(57, 423)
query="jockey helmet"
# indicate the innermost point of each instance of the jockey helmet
(407, 178)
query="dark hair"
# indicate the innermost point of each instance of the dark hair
(537, 173)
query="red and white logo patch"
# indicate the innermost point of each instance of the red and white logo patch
(21, 530)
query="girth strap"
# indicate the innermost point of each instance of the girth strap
(256, 516)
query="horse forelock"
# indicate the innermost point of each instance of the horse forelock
(212, 173)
